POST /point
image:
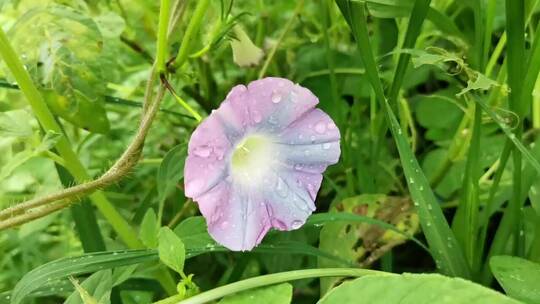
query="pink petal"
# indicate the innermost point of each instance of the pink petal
(236, 219)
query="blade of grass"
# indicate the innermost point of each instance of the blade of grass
(510, 224)
(465, 222)
(84, 218)
(325, 11)
(418, 15)
(441, 240)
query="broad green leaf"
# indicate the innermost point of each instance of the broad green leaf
(49, 140)
(110, 24)
(321, 219)
(149, 229)
(171, 171)
(518, 277)
(361, 242)
(61, 269)
(171, 250)
(275, 294)
(15, 123)
(193, 233)
(79, 109)
(97, 286)
(61, 49)
(413, 289)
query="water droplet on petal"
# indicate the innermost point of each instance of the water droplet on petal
(307, 153)
(320, 127)
(202, 151)
(257, 117)
(194, 186)
(298, 167)
(312, 139)
(326, 146)
(296, 224)
(276, 97)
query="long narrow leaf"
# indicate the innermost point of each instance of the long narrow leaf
(442, 243)
(418, 15)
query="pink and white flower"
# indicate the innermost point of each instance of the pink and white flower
(257, 161)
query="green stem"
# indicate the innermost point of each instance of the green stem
(191, 30)
(329, 56)
(276, 278)
(47, 121)
(162, 43)
(288, 26)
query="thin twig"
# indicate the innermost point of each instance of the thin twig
(297, 10)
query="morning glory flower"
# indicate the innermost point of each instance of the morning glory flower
(256, 162)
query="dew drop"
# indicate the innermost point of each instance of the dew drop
(276, 97)
(224, 224)
(194, 186)
(326, 146)
(257, 117)
(298, 167)
(202, 151)
(296, 224)
(312, 139)
(320, 127)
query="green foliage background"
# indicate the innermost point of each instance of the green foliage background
(436, 101)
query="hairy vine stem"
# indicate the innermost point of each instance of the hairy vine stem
(23, 212)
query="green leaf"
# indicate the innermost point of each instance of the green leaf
(481, 82)
(275, 294)
(171, 171)
(193, 233)
(49, 140)
(149, 230)
(518, 277)
(413, 289)
(98, 286)
(171, 250)
(15, 123)
(442, 242)
(60, 269)
(365, 243)
(61, 49)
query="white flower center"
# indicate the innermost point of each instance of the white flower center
(252, 160)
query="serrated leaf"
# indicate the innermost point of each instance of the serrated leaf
(413, 289)
(518, 277)
(275, 294)
(171, 250)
